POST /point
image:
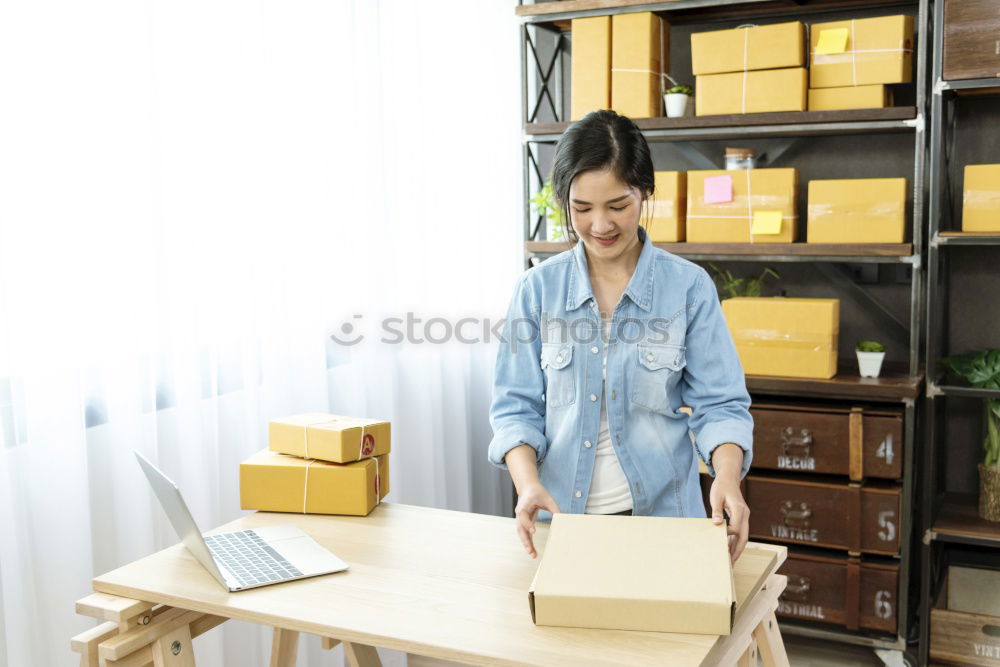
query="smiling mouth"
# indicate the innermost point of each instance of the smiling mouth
(605, 240)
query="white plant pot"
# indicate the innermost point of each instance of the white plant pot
(870, 363)
(677, 104)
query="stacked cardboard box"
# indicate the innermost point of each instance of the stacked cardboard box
(859, 210)
(319, 464)
(750, 70)
(741, 206)
(851, 62)
(618, 63)
(666, 211)
(981, 198)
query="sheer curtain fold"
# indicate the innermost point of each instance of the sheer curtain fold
(193, 197)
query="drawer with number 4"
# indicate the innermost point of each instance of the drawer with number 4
(845, 591)
(839, 516)
(855, 441)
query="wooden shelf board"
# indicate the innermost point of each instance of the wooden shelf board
(780, 119)
(891, 386)
(806, 250)
(959, 518)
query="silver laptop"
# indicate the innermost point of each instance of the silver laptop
(245, 558)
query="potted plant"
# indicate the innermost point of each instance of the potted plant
(544, 204)
(676, 100)
(732, 286)
(982, 370)
(870, 356)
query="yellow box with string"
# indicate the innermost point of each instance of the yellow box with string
(748, 48)
(742, 206)
(666, 210)
(785, 337)
(640, 54)
(334, 438)
(272, 482)
(762, 91)
(860, 52)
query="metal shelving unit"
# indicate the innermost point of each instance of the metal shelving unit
(542, 87)
(947, 519)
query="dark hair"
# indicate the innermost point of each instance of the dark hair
(601, 140)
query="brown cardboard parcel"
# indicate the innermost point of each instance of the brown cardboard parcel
(327, 437)
(748, 48)
(659, 574)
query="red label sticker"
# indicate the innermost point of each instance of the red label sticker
(367, 444)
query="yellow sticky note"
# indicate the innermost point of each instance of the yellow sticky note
(766, 222)
(832, 41)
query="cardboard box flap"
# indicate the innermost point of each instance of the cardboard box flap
(636, 573)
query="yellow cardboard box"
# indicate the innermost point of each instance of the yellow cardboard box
(328, 437)
(590, 79)
(751, 92)
(857, 210)
(640, 48)
(750, 48)
(667, 208)
(860, 52)
(786, 337)
(756, 193)
(651, 573)
(875, 96)
(272, 482)
(981, 198)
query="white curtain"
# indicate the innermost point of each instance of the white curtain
(194, 195)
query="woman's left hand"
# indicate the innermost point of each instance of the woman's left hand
(725, 494)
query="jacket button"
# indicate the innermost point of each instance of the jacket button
(587, 444)
(649, 356)
(558, 357)
(593, 397)
(613, 394)
(594, 349)
(577, 494)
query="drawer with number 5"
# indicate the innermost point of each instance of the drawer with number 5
(838, 516)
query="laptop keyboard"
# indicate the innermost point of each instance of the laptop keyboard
(249, 558)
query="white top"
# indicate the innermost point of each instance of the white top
(609, 491)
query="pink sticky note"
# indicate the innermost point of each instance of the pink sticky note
(718, 189)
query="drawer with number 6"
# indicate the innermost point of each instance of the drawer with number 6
(845, 591)
(856, 441)
(839, 516)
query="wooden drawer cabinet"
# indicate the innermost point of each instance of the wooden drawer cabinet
(838, 516)
(841, 590)
(964, 639)
(971, 39)
(855, 442)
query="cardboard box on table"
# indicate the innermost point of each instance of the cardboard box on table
(786, 337)
(272, 482)
(857, 210)
(590, 77)
(640, 48)
(667, 208)
(749, 48)
(875, 96)
(761, 208)
(751, 92)
(329, 437)
(649, 573)
(860, 52)
(981, 198)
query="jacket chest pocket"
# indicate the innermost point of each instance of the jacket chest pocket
(657, 369)
(560, 375)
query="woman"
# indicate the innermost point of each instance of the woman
(603, 344)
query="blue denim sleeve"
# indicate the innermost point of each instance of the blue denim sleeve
(713, 385)
(517, 413)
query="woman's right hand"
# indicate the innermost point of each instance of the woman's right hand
(532, 498)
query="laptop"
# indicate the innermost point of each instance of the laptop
(245, 558)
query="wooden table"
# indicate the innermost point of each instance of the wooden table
(443, 584)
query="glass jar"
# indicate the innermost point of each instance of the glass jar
(740, 158)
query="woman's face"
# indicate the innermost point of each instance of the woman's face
(605, 213)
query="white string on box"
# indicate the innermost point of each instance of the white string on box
(378, 475)
(305, 492)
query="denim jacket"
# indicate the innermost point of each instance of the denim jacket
(669, 346)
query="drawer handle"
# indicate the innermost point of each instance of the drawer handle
(797, 588)
(795, 514)
(991, 630)
(801, 442)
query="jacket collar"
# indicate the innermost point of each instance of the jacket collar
(640, 286)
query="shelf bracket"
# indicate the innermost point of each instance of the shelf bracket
(693, 155)
(776, 149)
(837, 273)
